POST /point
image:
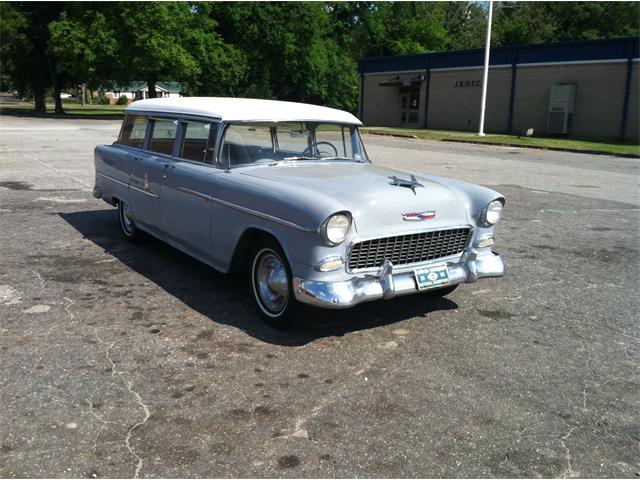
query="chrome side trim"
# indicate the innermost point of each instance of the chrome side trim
(146, 192)
(261, 215)
(203, 196)
(111, 178)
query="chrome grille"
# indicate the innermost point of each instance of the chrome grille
(405, 249)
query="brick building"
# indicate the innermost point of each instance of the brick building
(582, 89)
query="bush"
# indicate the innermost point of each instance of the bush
(122, 100)
(102, 100)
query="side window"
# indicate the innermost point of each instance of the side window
(198, 142)
(163, 135)
(246, 144)
(338, 136)
(133, 130)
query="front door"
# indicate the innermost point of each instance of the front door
(188, 188)
(186, 206)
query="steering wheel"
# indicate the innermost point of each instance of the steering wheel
(309, 149)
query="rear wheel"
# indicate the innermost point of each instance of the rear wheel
(127, 225)
(271, 284)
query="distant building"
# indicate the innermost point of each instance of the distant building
(584, 89)
(140, 90)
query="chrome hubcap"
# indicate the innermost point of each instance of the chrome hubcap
(125, 219)
(271, 282)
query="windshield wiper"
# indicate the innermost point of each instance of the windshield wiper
(300, 157)
(346, 159)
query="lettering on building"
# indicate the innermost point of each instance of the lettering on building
(468, 83)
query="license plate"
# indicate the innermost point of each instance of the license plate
(432, 277)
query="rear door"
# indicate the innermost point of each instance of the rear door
(148, 172)
(188, 188)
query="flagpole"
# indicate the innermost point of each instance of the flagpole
(485, 75)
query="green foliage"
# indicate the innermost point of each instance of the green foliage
(538, 22)
(101, 100)
(301, 51)
(151, 37)
(122, 100)
(84, 44)
(222, 68)
(24, 47)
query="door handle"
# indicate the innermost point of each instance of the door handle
(168, 166)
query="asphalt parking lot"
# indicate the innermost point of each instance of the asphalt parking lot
(119, 360)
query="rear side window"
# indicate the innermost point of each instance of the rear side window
(133, 130)
(199, 141)
(163, 135)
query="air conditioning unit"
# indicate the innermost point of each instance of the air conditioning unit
(562, 99)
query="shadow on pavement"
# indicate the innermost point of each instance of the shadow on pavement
(225, 298)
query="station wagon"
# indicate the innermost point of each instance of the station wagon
(287, 192)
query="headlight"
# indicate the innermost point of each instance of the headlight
(335, 228)
(492, 213)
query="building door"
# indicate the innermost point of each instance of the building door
(410, 105)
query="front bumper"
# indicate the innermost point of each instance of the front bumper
(385, 285)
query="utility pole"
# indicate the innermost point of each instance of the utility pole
(485, 76)
(83, 94)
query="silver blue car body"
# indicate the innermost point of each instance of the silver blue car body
(401, 224)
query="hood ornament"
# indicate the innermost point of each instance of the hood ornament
(412, 184)
(419, 216)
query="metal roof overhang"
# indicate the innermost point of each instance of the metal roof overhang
(402, 81)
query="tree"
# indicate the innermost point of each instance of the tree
(221, 68)
(540, 22)
(151, 41)
(83, 44)
(25, 36)
(291, 51)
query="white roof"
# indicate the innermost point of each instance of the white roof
(243, 109)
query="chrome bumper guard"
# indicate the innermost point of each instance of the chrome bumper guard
(385, 285)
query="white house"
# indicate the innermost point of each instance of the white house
(140, 90)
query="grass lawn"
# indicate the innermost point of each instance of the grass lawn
(72, 110)
(626, 149)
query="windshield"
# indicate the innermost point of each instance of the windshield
(272, 143)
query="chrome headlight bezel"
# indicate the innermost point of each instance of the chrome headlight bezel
(327, 229)
(492, 213)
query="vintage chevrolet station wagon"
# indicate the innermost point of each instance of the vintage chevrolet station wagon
(286, 191)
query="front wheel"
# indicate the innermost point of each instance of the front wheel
(127, 226)
(271, 284)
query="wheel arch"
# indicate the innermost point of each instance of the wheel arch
(250, 237)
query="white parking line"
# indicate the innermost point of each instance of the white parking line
(88, 187)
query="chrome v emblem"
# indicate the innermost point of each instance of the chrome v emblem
(412, 184)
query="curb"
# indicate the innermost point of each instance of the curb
(498, 144)
(537, 147)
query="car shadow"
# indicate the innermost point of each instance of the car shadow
(225, 298)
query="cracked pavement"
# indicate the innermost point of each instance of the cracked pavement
(137, 361)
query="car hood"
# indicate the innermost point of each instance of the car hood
(368, 193)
